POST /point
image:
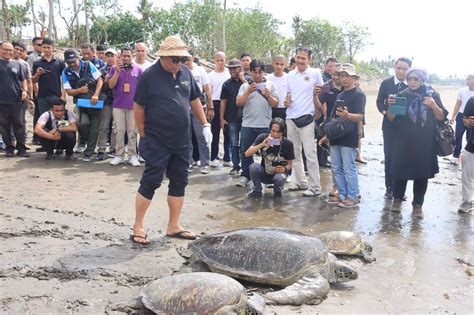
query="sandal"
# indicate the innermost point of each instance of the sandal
(141, 240)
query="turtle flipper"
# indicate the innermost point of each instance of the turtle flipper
(305, 291)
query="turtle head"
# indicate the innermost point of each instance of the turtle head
(344, 272)
(367, 247)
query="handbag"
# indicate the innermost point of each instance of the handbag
(337, 128)
(445, 138)
(303, 121)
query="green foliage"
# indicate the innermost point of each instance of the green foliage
(355, 39)
(121, 30)
(18, 18)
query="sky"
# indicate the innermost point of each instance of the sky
(436, 34)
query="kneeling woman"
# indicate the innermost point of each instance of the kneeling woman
(414, 155)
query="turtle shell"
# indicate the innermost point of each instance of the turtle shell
(342, 242)
(264, 255)
(194, 293)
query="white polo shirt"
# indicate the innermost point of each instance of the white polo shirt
(464, 94)
(300, 85)
(280, 84)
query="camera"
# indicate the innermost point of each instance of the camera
(276, 163)
(126, 66)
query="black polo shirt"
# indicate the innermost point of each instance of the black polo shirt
(11, 77)
(354, 99)
(468, 112)
(229, 92)
(329, 98)
(166, 103)
(49, 83)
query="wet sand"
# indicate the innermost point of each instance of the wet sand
(64, 235)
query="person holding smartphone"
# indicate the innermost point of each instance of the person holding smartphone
(277, 156)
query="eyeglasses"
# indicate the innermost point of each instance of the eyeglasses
(414, 79)
(176, 59)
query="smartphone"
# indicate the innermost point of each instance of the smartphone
(274, 142)
(325, 88)
(340, 104)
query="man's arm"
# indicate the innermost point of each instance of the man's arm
(71, 128)
(254, 148)
(382, 98)
(139, 114)
(455, 110)
(242, 99)
(113, 79)
(210, 104)
(223, 105)
(196, 107)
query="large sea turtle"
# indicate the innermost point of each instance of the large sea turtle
(199, 293)
(347, 243)
(278, 257)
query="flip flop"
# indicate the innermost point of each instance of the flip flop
(184, 234)
(133, 238)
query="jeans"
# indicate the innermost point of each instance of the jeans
(233, 130)
(259, 176)
(43, 105)
(248, 137)
(419, 190)
(196, 126)
(459, 132)
(89, 122)
(216, 131)
(344, 170)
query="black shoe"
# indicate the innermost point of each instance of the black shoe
(100, 156)
(327, 165)
(49, 156)
(277, 194)
(389, 194)
(36, 141)
(40, 149)
(254, 194)
(22, 153)
(235, 171)
(69, 156)
(59, 152)
(9, 153)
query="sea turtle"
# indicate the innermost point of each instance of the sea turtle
(347, 243)
(199, 293)
(274, 256)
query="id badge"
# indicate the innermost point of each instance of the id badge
(126, 87)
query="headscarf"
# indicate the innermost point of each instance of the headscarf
(417, 108)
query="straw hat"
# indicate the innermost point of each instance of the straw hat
(173, 46)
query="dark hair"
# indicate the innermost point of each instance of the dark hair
(101, 47)
(47, 41)
(128, 48)
(304, 49)
(19, 44)
(331, 59)
(292, 60)
(36, 39)
(55, 101)
(87, 46)
(254, 64)
(280, 122)
(404, 59)
(245, 54)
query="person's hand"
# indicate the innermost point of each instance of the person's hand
(342, 111)
(94, 99)
(242, 77)
(206, 132)
(252, 87)
(266, 142)
(210, 115)
(316, 90)
(391, 99)
(324, 140)
(223, 123)
(53, 131)
(118, 67)
(31, 107)
(287, 101)
(57, 136)
(84, 89)
(280, 169)
(24, 95)
(266, 92)
(430, 102)
(40, 71)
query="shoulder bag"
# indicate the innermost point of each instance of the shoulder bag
(445, 138)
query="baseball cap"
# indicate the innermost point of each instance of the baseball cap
(70, 55)
(111, 51)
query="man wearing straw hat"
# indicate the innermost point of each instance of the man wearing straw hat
(161, 107)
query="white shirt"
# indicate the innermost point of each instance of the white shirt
(396, 81)
(464, 94)
(281, 87)
(200, 75)
(300, 86)
(217, 79)
(144, 65)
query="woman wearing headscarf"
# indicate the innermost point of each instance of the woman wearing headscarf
(414, 155)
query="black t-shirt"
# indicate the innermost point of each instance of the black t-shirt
(11, 76)
(284, 150)
(166, 103)
(229, 92)
(49, 83)
(329, 98)
(469, 111)
(354, 99)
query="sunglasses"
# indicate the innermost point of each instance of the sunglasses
(176, 59)
(414, 79)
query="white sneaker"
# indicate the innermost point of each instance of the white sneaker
(454, 160)
(228, 163)
(190, 168)
(243, 181)
(117, 160)
(466, 207)
(140, 159)
(80, 149)
(205, 170)
(133, 161)
(215, 163)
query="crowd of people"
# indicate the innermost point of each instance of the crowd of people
(171, 114)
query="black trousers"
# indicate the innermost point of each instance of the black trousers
(67, 142)
(216, 131)
(388, 139)
(419, 189)
(12, 115)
